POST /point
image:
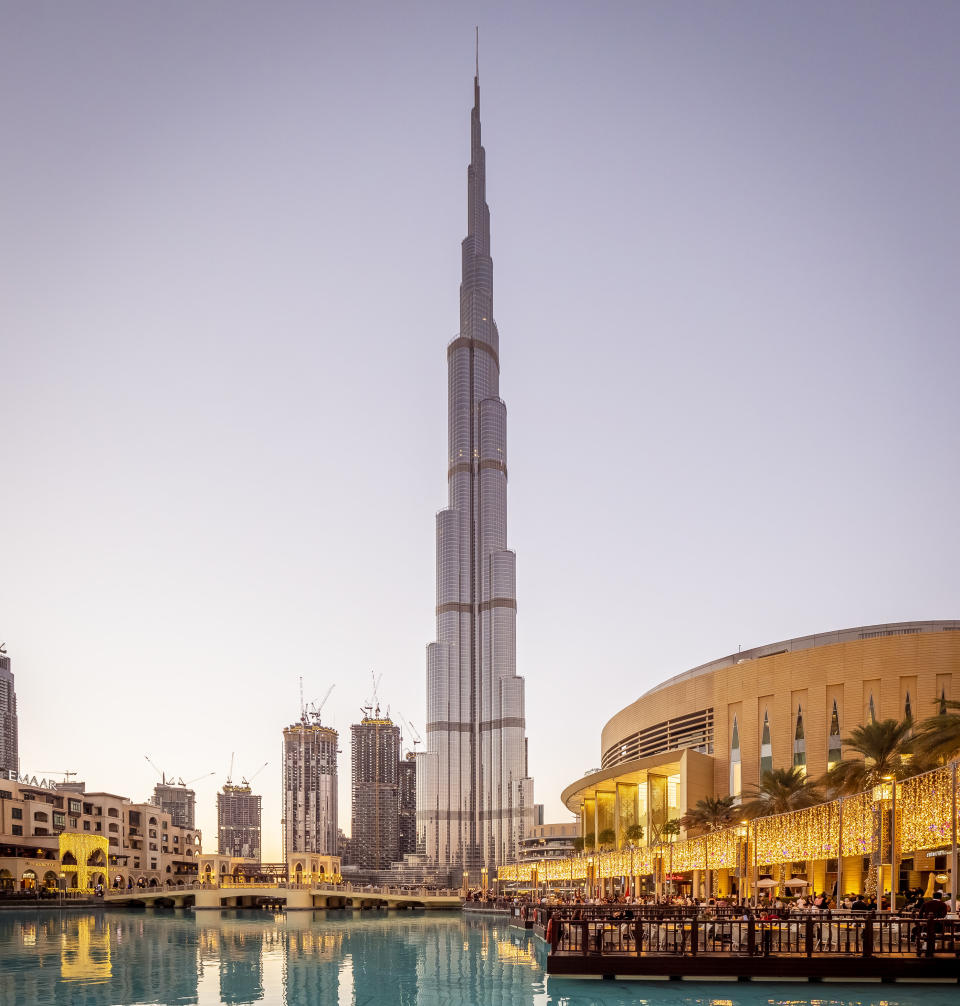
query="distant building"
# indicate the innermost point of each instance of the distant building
(177, 801)
(238, 822)
(9, 745)
(309, 787)
(407, 800)
(550, 841)
(375, 818)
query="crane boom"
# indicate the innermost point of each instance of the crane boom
(153, 764)
(246, 782)
(199, 777)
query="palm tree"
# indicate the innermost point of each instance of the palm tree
(885, 749)
(937, 739)
(710, 814)
(780, 791)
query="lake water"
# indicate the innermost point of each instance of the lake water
(368, 959)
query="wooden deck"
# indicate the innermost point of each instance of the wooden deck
(850, 948)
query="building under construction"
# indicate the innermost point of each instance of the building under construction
(375, 824)
(238, 821)
(309, 786)
(408, 804)
(178, 801)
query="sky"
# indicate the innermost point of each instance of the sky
(726, 242)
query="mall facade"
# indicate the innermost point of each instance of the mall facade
(714, 729)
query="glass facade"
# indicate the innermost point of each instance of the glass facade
(478, 795)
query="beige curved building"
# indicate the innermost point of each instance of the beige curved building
(713, 729)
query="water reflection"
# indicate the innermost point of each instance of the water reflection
(368, 959)
(98, 959)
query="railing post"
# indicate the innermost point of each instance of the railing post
(809, 936)
(694, 936)
(867, 945)
(751, 936)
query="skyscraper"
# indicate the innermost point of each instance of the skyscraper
(375, 808)
(238, 821)
(475, 800)
(309, 787)
(9, 745)
(407, 791)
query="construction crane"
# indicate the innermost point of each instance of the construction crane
(417, 739)
(313, 710)
(190, 782)
(162, 774)
(172, 780)
(55, 771)
(230, 773)
(246, 782)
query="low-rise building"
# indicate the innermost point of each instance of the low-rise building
(144, 847)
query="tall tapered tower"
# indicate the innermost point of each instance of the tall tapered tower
(475, 801)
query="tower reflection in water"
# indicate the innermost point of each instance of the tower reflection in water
(100, 959)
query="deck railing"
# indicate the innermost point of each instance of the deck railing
(850, 935)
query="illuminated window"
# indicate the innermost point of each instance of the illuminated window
(834, 750)
(735, 765)
(800, 744)
(766, 748)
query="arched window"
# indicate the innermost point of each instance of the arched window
(766, 748)
(834, 747)
(735, 765)
(800, 744)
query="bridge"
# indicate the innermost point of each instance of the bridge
(291, 896)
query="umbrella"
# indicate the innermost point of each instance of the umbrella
(767, 882)
(797, 882)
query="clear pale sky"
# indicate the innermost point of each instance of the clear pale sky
(726, 243)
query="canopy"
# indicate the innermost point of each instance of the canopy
(797, 882)
(767, 882)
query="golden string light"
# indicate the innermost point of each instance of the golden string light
(924, 821)
(923, 810)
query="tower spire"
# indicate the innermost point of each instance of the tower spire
(476, 29)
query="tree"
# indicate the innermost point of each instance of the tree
(578, 844)
(885, 749)
(588, 840)
(780, 791)
(671, 829)
(607, 838)
(710, 814)
(634, 834)
(937, 739)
